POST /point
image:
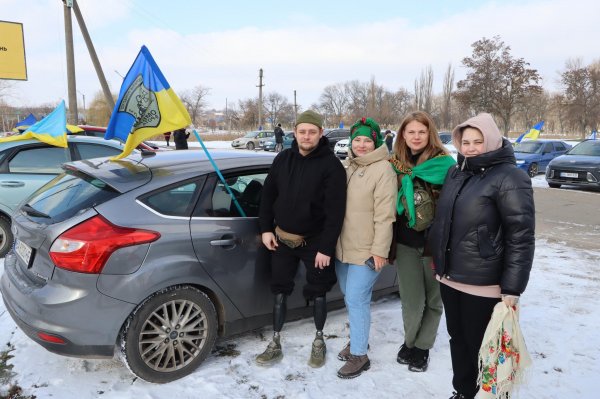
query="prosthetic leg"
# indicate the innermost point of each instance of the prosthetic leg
(273, 353)
(319, 350)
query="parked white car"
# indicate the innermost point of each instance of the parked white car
(341, 148)
(251, 140)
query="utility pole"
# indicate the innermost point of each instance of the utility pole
(260, 101)
(90, 46)
(71, 85)
(295, 109)
(227, 118)
(83, 96)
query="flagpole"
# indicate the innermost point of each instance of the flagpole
(214, 165)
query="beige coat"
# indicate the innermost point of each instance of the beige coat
(370, 208)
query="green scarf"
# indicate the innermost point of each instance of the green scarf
(432, 171)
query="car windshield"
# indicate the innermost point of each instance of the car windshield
(591, 148)
(528, 147)
(251, 135)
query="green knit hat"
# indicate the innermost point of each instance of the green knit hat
(310, 117)
(369, 128)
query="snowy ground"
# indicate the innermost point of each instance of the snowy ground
(560, 318)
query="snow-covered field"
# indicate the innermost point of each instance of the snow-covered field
(560, 319)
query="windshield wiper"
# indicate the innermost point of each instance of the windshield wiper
(33, 212)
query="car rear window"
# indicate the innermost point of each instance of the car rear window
(38, 160)
(69, 194)
(89, 151)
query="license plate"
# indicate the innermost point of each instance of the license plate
(23, 251)
(568, 174)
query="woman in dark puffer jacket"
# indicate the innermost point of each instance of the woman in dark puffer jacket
(482, 239)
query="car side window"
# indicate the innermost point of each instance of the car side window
(548, 148)
(175, 200)
(559, 147)
(39, 160)
(247, 190)
(88, 151)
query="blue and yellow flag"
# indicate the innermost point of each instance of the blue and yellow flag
(146, 106)
(51, 130)
(28, 121)
(532, 133)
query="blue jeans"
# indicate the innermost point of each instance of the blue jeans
(356, 283)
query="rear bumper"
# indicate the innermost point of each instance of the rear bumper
(87, 321)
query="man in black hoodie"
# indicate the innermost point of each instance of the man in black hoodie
(301, 214)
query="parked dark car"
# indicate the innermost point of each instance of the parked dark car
(268, 144)
(580, 166)
(533, 156)
(445, 137)
(27, 165)
(335, 135)
(148, 255)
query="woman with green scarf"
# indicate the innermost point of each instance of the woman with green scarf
(421, 162)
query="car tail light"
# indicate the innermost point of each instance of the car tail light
(50, 338)
(86, 247)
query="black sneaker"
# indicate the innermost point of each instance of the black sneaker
(419, 360)
(404, 354)
(456, 395)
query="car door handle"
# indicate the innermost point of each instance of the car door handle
(12, 184)
(221, 243)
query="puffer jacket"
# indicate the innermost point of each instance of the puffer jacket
(370, 207)
(483, 231)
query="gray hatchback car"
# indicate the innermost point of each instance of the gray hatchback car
(147, 256)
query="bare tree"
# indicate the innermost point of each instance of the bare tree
(358, 99)
(99, 111)
(334, 101)
(446, 106)
(247, 117)
(195, 101)
(6, 87)
(582, 94)
(424, 90)
(278, 109)
(496, 82)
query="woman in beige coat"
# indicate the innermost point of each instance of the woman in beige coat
(366, 236)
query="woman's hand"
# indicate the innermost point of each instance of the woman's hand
(510, 300)
(379, 262)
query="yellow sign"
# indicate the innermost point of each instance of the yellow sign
(12, 51)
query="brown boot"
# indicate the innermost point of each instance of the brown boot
(344, 353)
(354, 366)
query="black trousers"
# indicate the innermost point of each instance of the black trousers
(467, 317)
(284, 266)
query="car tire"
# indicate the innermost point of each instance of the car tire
(532, 171)
(250, 146)
(153, 345)
(6, 236)
(554, 185)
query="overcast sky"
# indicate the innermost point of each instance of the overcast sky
(303, 46)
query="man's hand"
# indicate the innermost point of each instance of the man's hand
(269, 240)
(379, 262)
(322, 261)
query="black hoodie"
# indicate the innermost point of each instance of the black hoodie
(483, 231)
(306, 195)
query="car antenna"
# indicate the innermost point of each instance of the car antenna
(147, 153)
